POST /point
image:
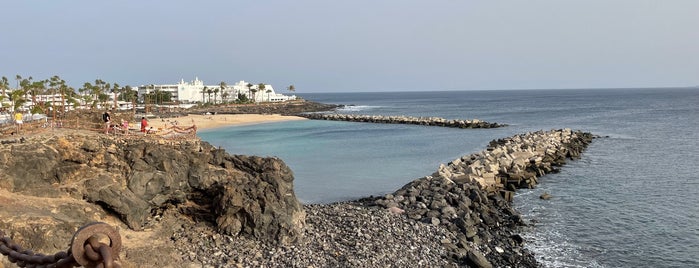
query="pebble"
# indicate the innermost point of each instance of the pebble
(348, 234)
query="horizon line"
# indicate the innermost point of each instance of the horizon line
(506, 89)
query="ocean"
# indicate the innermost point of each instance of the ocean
(632, 200)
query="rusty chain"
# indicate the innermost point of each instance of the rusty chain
(93, 245)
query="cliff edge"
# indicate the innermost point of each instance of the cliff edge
(52, 184)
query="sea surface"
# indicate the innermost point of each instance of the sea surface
(632, 200)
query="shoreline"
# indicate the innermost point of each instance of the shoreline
(446, 219)
(215, 121)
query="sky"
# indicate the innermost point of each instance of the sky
(356, 46)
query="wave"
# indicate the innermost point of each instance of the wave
(554, 249)
(357, 108)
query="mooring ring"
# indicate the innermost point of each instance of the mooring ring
(77, 244)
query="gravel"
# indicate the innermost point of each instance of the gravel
(347, 234)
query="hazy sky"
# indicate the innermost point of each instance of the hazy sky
(344, 46)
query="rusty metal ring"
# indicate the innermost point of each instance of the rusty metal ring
(77, 244)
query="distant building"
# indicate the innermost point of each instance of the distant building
(182, 92)
(194, 91)
(266, 95)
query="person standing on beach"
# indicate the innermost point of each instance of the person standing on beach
(19, 121)
(107, 119)
(144, 124)
(125, 126)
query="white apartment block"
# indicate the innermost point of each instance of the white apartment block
(266, 95)
(193, 91)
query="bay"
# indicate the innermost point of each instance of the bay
(631, 201)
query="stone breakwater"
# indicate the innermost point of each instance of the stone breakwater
(408, 120)
(469, 196)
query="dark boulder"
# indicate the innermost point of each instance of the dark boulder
(137, 180)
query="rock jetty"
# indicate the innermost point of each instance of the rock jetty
(408, 120)
(469, 196)
(295, 107)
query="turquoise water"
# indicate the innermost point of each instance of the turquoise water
(631, 201)
(334, 161)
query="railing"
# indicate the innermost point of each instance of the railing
(46, 124)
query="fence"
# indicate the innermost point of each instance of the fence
(33, 124)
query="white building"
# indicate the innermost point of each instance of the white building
(254, 92)
(189, 92)
(182, 91)
(194, 91)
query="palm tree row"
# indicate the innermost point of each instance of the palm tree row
(90, 95)
(97, 94)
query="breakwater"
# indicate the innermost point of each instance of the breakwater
(469, 196)
(409, 120)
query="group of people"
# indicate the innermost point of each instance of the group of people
(107, 118)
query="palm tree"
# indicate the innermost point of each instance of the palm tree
(86, 93)
(203, 91)
(17, 99)
(96, 91)
(145, 100)
(18, 78)
(215, 94)
(268, 91)
(37, 88)
(128, 94)
(4, 84)
(209, 91)
(54, 83)
(222, 86)
(115, 90)
(107, 88)
(249, 89)
(24, 85)
(101, 87)
(260, 88)
(291, 88)
(34, 88)
(64, 90)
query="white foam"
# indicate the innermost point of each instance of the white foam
(553, 249)
(356, 108)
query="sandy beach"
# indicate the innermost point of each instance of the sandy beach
(219, 120)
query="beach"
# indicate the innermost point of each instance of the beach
(204, 121)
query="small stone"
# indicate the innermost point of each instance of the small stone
(396, 210)
(478, 259)
(545, 196)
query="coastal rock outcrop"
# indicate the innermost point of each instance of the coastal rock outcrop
(470, 195)
(284, 108)
(408, 120)
(138, 179)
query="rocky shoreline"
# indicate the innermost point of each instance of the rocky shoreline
(295, 107)
(453, 218)
(350, 234)
(470, 195)
(229, 210)
(407, 120)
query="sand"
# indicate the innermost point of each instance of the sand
(219, 120)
